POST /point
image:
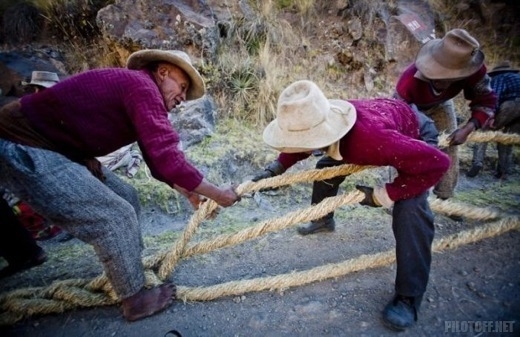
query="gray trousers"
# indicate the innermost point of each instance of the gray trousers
(103, 214)
(445, 120)
(507, 119)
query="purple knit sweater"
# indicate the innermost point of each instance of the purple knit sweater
(96, 112)
(476, 89)
(386, 133)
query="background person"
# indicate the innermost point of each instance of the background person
(505, 81)
(38, 226)
(442, 69)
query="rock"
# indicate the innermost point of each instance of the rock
(187, 25)
(195, 120)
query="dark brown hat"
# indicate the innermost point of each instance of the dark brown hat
(456, 55)
(503, 67)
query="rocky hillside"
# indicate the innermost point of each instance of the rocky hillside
(247, 51)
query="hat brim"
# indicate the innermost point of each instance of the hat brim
(45, 84)
(140, 59)
(433, 70)
(340, 119)
(500, 71)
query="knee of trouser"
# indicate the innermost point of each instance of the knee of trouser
(428, 131)
(134, 200)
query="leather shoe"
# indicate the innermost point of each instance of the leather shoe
(473, 171)
(400, 313)
(316, 226)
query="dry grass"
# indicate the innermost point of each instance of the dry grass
(264, 52)
(72, 24)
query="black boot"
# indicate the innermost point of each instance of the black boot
(473, 171)
(401, 312)
(316, 226)
(20, 265)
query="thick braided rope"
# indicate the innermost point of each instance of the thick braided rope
(168, 259)
(448, 207)
(485, 137)
(60, 295)
(314, 212)
(328, 271)
(69, 294)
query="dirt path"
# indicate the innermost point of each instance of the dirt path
(478, 282)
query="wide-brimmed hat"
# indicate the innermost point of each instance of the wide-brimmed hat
(307, 120)
(140, 59)
(456, 55)
(503, 67)
(43, 78)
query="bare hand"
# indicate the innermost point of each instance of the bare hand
(460, 136)
(194, 198)
(227, 197)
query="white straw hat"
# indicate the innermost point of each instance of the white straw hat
(140, 59)
(306, 120)
(43, 78)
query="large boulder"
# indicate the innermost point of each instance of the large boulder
(187, 25)
(411, 27)
(194, 120)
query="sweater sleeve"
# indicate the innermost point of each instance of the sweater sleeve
(157, 139)
(482, 97)
(419, 165)
(289, 159)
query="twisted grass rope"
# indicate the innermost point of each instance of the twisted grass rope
(281, 282)
(485, 137)
(69, 294)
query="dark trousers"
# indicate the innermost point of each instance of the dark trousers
(322, 189)
(412, 224)
(16, 243)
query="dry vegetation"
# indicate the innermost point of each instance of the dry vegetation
(282, 41)
(286, 40)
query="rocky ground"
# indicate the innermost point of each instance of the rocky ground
(477, 282)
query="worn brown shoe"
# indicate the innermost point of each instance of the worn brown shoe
(317, 226)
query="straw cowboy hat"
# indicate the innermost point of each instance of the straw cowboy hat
(306, 120)
(140, 59)
(457, 55)
(43, 78)
(503, 67)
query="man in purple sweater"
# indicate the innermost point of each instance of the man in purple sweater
(49, 141)
(442, 69)
(380, 132)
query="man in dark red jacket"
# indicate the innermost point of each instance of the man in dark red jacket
(380, 132)
(48, 142)
(442, 69)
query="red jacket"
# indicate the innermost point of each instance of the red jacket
(97, 112)
(386, 133)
